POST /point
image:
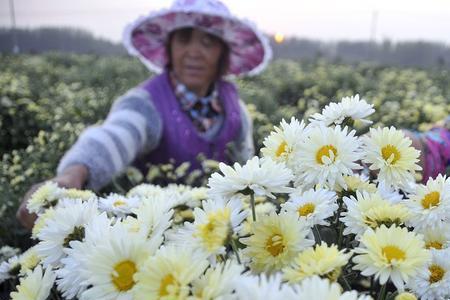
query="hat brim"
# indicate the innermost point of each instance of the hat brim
(146, 38)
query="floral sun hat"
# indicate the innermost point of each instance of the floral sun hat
(146, 37)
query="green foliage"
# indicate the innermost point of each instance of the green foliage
(47, 100)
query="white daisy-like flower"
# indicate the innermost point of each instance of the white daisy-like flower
(316, 288)
(66, 224)
(437, 238)
(35, 285)
(434, 282)
(356, 182)
(186, 195)
(389, 151)
(347, 111)
(111, 264)
(9, 268)
(259, 176)
(72, 274)
(326, 156)
(146, 191)
(322, 260)
(118, 205)
(430, 204)
(275, 241)
(213, 226)
(282, 143)
(44, 197)
(371, 211)
(153, 218)
(315, 206)
(41, 221)
(263, 287)
(77, 194)
(391, 253)
(217, 282)
(168, 273)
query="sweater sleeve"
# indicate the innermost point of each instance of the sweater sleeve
(132, 126)
(243, 147)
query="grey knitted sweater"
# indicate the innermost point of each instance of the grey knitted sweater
(133, 128)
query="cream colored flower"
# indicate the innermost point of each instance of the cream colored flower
(389, 151)
(275, 241)
(391, 253)
(322, 260)
(35, 285)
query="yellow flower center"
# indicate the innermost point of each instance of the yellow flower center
(393, 252)
(123, 275)
(430, 200)
(216, 231)
(275, 245)
(390, 154)
(434, 244)
(306, 209)
(437, 273)
(119, 203)
(329, 151)
(167, 281)
(281, 149)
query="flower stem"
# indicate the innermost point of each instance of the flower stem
(316, 233)
(252, 204)
(382, 294)
(235, 249)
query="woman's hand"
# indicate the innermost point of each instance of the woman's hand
(73, 177)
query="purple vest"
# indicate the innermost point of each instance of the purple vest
(180, 139)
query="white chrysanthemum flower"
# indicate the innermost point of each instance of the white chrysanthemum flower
(282, 144)
(391, 253)
(217, 282)
(9, 268)
(167, 274)
(434, 282)
(66, 224)
(261, 176)
(322, 260)
(186, 195)
(213, 227)
(316, 288)
(315, 206)
(275, 241)
(263, 287)
(326, 156)
(118, 205)
(111, 264)
(44, 197)
(153, 218)
(430, 204)
(371, 211)
(72, 274)
(405, 296)
(41, 221)
(146, 191)
(36, 285)
(347, 111)
(389, 151)
(437, 238)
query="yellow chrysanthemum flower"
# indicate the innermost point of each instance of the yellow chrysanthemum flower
(275, 241)
(323, 260)
(391, 253)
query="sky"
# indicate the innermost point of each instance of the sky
(327, 20)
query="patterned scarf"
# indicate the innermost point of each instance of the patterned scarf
(203, 111)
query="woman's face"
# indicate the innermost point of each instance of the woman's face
(195, 58)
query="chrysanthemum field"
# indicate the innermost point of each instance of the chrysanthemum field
(330, 208)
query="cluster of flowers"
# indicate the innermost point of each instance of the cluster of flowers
(322, 212)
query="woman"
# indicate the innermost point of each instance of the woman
(186, 110)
